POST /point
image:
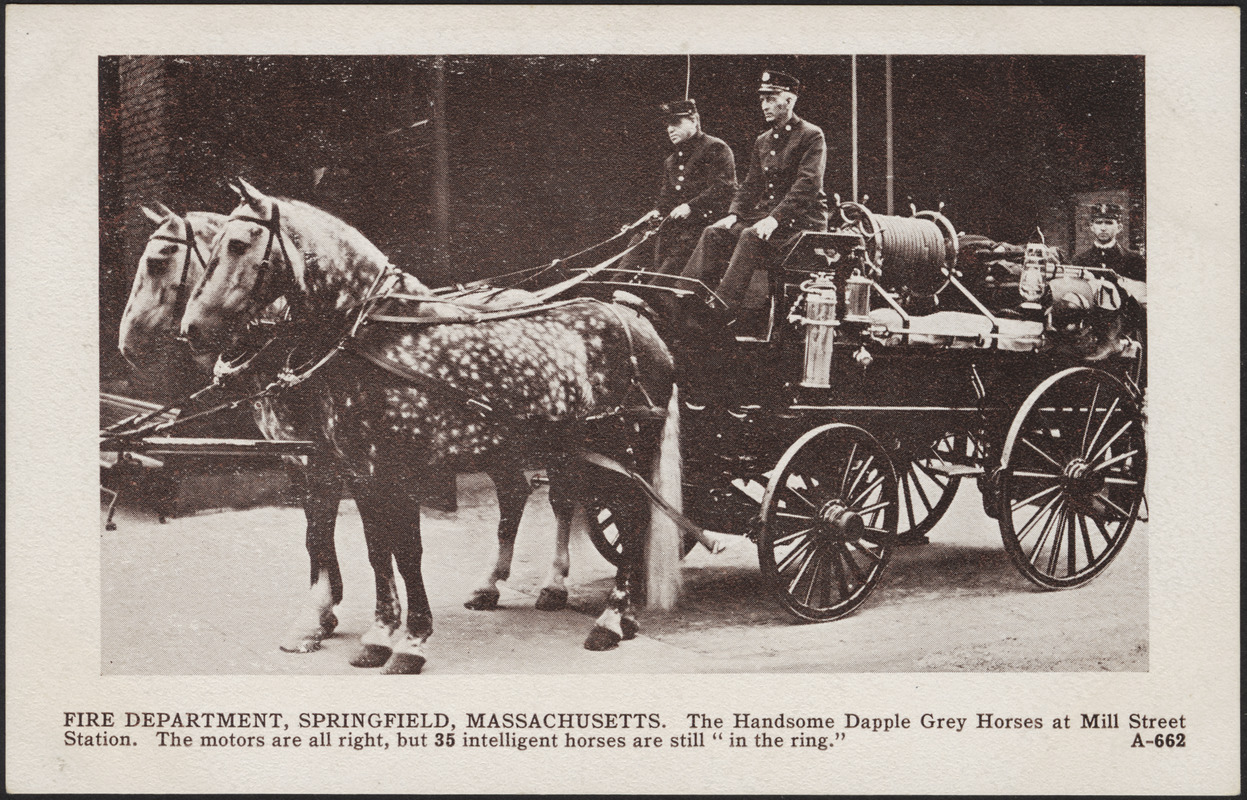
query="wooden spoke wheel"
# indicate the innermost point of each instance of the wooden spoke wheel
(604, 523)
(1071, 477)
(829, 520)
(926, 491)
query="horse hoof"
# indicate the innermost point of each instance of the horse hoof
(371, 655)
(482, 601)
(404, 664)
(307, 644)
(629, 628)
(602, 639)
(552, 599)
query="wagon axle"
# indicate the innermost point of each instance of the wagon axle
(839, 523)
(1080, 479)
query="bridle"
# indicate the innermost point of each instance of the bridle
(276, 289)
(192, 248)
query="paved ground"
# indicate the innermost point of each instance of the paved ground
(212, 594)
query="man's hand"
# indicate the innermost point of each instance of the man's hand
(765, 227)
(726, 222)
(680, 212)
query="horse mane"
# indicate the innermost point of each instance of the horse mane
(207, 225)
(348, 269)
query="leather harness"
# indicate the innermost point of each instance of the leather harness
(366, 311)
(192, 248)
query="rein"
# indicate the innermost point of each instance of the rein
(365, 311)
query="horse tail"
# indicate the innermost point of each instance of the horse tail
(662, 550)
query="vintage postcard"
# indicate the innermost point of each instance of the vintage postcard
(666, 399)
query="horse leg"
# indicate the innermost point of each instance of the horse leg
(512, 491)
(553, 595)
(322, 490)
(375, 645)
(618, 621)
(408, 657)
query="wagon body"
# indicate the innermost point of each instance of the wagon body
(829, 472)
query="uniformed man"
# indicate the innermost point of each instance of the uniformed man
(1105, 251)
(782, 196)
(699, 178)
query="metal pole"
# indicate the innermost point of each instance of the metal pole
(887, 93)
(853, 84)
(441, 167)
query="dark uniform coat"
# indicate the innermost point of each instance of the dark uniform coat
(1126, 263)
(701, 171)
(785, 181)
(785, 178)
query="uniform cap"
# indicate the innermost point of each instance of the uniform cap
(773, 81)
(1105, 211)
(678, 108)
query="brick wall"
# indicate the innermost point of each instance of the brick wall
(146, 167)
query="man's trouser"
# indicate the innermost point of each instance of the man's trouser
(730, 256)
(667, 252)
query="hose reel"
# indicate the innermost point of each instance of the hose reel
(907, 251)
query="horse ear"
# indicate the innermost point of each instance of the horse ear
(253, 196)
(164, 209)
(154, 216)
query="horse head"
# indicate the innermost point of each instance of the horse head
(272, 249)
(171, 264)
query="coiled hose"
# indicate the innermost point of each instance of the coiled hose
(907, 251)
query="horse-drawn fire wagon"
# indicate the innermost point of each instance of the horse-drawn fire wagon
(835, 420)
(878, 365)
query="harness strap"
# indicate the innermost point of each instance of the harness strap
(192, 248)
(511, 312)
(636, 366)
(273, 225)
(479, 404)
(681, 521)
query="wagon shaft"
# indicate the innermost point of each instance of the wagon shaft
(209, 447)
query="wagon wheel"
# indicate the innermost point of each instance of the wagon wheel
(604, 522)
(828, 521)
(923, 482)
(1071, 477)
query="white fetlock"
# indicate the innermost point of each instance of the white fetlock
(410, 645)
(379, 635)
(408, 657)
(610, 620)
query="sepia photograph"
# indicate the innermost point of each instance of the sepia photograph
(635, 399)
(786, 330)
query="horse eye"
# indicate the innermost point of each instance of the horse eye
(237, 246)
(157, 266)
